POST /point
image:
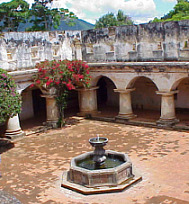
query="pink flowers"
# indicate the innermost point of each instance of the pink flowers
(4, 75)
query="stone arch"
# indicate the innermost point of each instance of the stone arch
(133, 80)
(96, 79)
(23, 86)
(144, 98)
(106, 97)
(177, 82)
(33, 105)
(181, 98)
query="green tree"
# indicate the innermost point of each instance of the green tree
(44, 18)
(111, 20)
(123, 19)
(179, 12)
(12, 14)
(179, 1)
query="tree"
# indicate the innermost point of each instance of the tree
(179, 1)
(44, 18)
(12, 14)
(41, 16)
(123, 19)
(10, 102)
(106, 21)
(179, 12)
(111, 20)
(63, 76)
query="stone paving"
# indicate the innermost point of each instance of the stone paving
(32, 168)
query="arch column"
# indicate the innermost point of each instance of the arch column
(52, 110)
(168, 117)
(13, 128)
(87, 101)
(125, 106)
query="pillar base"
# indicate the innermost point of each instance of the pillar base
(167, 122)
(14, 134)
(126, 116)
(52, 124)
(88, 113)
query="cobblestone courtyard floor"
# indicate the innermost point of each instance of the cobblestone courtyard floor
(32, 169)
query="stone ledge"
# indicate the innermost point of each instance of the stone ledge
(97, 190)
(139, 64)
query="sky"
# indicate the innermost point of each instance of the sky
(141, 11)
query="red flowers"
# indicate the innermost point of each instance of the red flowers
(57, 82)
(49, 82)
(62, 74)
(70, 86)
(38, 81)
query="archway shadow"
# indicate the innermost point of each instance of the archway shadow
(164, 200)
(5, 145)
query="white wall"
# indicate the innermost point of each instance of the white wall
(27, 105)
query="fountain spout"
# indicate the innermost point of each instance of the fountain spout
(99, 153)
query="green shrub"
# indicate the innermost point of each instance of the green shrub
(10, 101)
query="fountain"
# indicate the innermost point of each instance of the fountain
(99, 152)
(100, 171)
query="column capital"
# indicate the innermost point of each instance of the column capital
(88, 89)
(167, 93)
(48, 96)
(124, 90)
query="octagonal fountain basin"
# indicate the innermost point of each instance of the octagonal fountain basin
(88, 177)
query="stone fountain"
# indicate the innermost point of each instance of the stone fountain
(100, 171)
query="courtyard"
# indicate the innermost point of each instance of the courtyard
(32, 166)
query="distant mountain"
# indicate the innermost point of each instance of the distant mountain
(79, 25)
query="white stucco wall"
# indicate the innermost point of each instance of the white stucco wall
(27, 105)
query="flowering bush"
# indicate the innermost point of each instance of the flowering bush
(63, 75)
(10, 102)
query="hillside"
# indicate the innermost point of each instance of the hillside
(79, 25)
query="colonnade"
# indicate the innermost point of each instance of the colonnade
(88, 106)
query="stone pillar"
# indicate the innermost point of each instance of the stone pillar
(168, 117)
(13, 128)
(78, 50)
(125, 106)
(87, 101)
(52, 111)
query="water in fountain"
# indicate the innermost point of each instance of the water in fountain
(99, 159)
